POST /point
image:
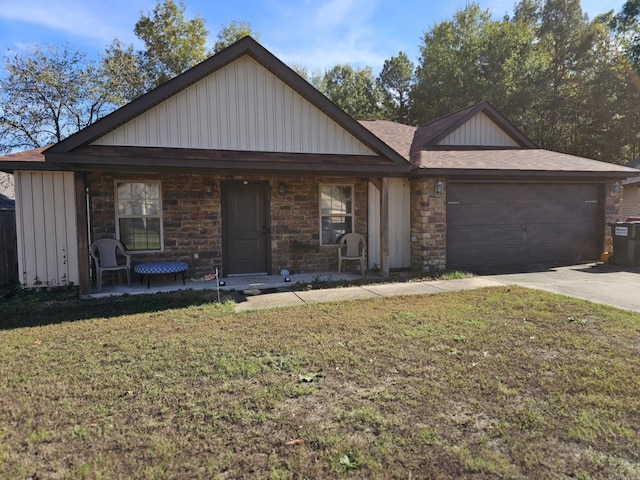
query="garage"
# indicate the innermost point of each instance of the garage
(520, 225)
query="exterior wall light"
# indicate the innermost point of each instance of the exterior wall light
(282, 190)
(208, 188)
(439, 188)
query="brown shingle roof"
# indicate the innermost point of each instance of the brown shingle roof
(397, 135)
(26, 160)
(514, 161)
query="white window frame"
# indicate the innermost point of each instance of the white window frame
(159, 216)
(351, 215)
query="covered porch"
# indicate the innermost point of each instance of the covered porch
(243, 284)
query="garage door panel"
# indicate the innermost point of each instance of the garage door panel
(493, 226)
(493, 256)
(485, 234)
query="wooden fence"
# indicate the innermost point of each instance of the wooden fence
(8, 248)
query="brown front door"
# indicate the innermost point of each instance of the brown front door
(245, 226)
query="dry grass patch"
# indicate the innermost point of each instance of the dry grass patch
(492, 383)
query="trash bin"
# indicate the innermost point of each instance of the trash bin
(626, 243)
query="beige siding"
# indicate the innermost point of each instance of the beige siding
(242, 106)
(631, 201)
(479, 130)
(399, 225)
(46, 228)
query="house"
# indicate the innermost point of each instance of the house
(239, 162)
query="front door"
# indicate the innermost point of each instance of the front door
(245, 227)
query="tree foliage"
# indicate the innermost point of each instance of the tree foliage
(232, 33)
(548, 68)
(47, 94)
(396, 81)
(172, 43)
(354, 90)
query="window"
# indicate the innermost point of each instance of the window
(138, 215)
(336, 212)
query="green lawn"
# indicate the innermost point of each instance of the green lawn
(491, 383)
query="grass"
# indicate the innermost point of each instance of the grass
(491, 383)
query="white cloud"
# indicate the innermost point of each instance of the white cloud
(95, 20)
(318, 35)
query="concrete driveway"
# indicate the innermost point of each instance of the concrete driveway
(597, 282)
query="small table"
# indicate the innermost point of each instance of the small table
(161, 268)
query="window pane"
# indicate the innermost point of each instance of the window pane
(140, 233)
(325, 199)
(335, 199)
(334, 227)
(124, 198)
(152, 201)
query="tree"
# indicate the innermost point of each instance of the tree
(625, 28)
(353, 90)
(172, 44)
(122, 73)
(232, 33)
(547, 69)
(456, 57)
(395, 81)
(46, 95)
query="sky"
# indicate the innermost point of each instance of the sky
(314, 34)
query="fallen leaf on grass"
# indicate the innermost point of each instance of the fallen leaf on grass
(296, 441)
(309, 377)
(38, 342)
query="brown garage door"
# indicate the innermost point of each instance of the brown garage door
(510, 226)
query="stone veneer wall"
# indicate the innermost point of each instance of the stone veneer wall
(192, 220)
(613, 213)
(428, 226)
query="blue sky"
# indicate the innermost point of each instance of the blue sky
(315, 34)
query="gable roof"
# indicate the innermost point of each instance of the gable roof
(520, 158)
(428, 136)
(76, 152)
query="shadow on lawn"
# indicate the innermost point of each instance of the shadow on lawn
(20, 308)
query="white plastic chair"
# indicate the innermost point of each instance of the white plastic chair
(105, 254)
(356, 250)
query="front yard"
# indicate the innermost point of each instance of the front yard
(492, 383)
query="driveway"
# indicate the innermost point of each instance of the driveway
(597, 282)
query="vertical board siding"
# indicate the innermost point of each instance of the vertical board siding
(631, 201)
(479, 130)
(46, 229)
(242, 106)
(399, 225)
